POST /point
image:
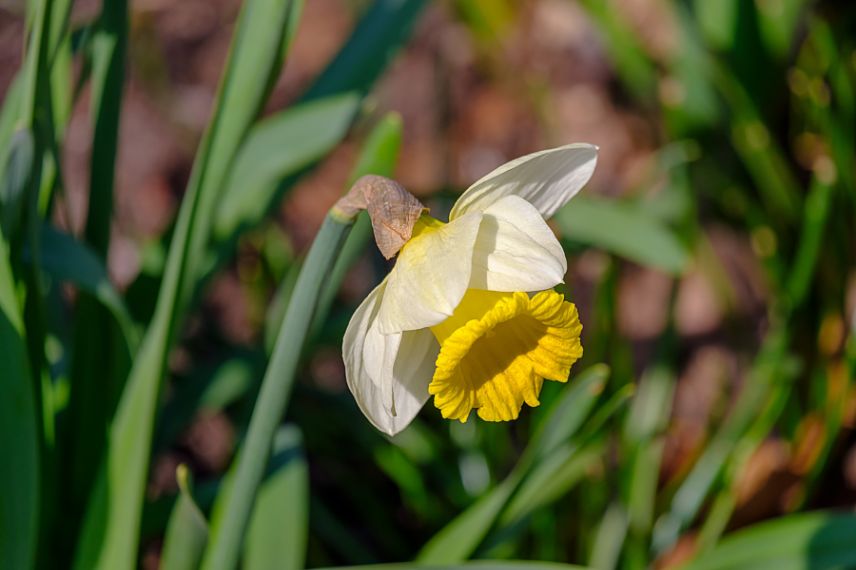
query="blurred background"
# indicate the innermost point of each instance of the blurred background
(711, 257)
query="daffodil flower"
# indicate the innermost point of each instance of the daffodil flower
(468, 313)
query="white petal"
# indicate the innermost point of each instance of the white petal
(412, 372)
(430, 277)
(516, 250)
(387, 374)
(363, 355)
(547, 179)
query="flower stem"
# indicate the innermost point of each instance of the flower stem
(235, 503)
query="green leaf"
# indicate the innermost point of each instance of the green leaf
(769, 373)
(723, 24)
(108, 75)
(568, 413)
(187, 530)
(622, 229)
(15, 181)
(632, 64)
(459, 539)
(759, 150)
(19, 445)
(380, 33)
(66, 259)
(717, 22)
(111, 529)
(611, 533)
(810, 541)
(643, 444)
(652, 405)
(276, 148)
(564, 466)
(9, 119)
(816, 212)
(551, 479)
(688, 97)
(61, 96)
(379, 154)
(278, 531)
(377, 38)
(779, 23)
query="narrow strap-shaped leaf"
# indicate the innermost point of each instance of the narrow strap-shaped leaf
(234, 505)
(19, 470)
(459, 539)
(610, 536)
(808, 541)
(66, 259)
(690, 495)
(379, 35)
(108, 73)
(278, 147)
(279, 526)
(111, 529)
(15, 181)
(8, 119)
(623, 230)
(568, 414)
(187, 530)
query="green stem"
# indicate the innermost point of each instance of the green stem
(235, 504)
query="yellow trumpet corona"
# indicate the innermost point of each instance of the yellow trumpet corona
(497, 349)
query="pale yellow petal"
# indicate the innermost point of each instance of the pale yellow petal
(387, 374)
(515, 250)
(430, 276)
(547, 179)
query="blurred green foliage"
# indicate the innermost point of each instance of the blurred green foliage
(756, 114)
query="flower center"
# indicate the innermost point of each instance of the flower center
(497, 349)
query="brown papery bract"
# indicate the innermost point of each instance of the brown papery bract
(392, 209)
